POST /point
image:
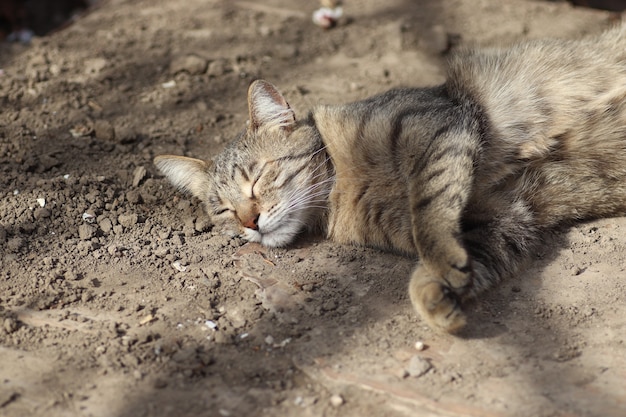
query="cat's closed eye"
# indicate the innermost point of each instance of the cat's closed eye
(219, 211)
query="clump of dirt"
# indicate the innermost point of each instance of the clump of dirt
(118, 297)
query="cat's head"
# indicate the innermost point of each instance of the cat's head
(270, 183)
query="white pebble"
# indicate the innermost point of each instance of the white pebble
(269, 340)
(284, 342)
(336, 400)
(41, 202)
(179, 267)
(210, 324)
(88, 217)
(327, 17)
(169, 84)
(419, 345)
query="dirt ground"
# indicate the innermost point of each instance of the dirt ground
(117, 298)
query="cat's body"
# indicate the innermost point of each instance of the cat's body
(469, 175)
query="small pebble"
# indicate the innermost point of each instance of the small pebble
(179, 266)
(217, 68)
(10, 325)
(104, 130)
(41, 213)
(127, 220)
(106, 225)
(88, 217)
(419, 345)
(86, 231)
(336, 400)
(134, 197)
(191, 64)
(418, 366)
(138, 175)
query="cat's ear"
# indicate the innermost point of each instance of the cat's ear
(187, 174)
(268, 107)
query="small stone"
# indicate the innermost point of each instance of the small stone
(138, 175)
(127, 220)
(179, 266)
(192, 64)
(86, 231)
(47, 162)
(418, 366)
(419, 345)
(41, 213)
(164, 234)
(104, 130)
(336, 400)
(217, 68)
(10, 325)
(106, 225)
(88, 217)
(178, 240)
(134, 197)
(265, 31)
(95, 65)
(161, 252)
(222, 338)
(203, 224)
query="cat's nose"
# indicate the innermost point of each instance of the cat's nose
(252, 222)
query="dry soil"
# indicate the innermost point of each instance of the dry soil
(118, 298)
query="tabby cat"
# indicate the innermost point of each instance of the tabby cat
(469, 175)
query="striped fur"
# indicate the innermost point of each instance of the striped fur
(469, 175)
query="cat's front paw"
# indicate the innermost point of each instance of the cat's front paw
(453, 268)
(437, 303)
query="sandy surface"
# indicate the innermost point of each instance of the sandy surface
(117, 298)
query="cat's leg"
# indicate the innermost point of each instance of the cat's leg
(440, 185)
(499, 237)
(500, 242)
